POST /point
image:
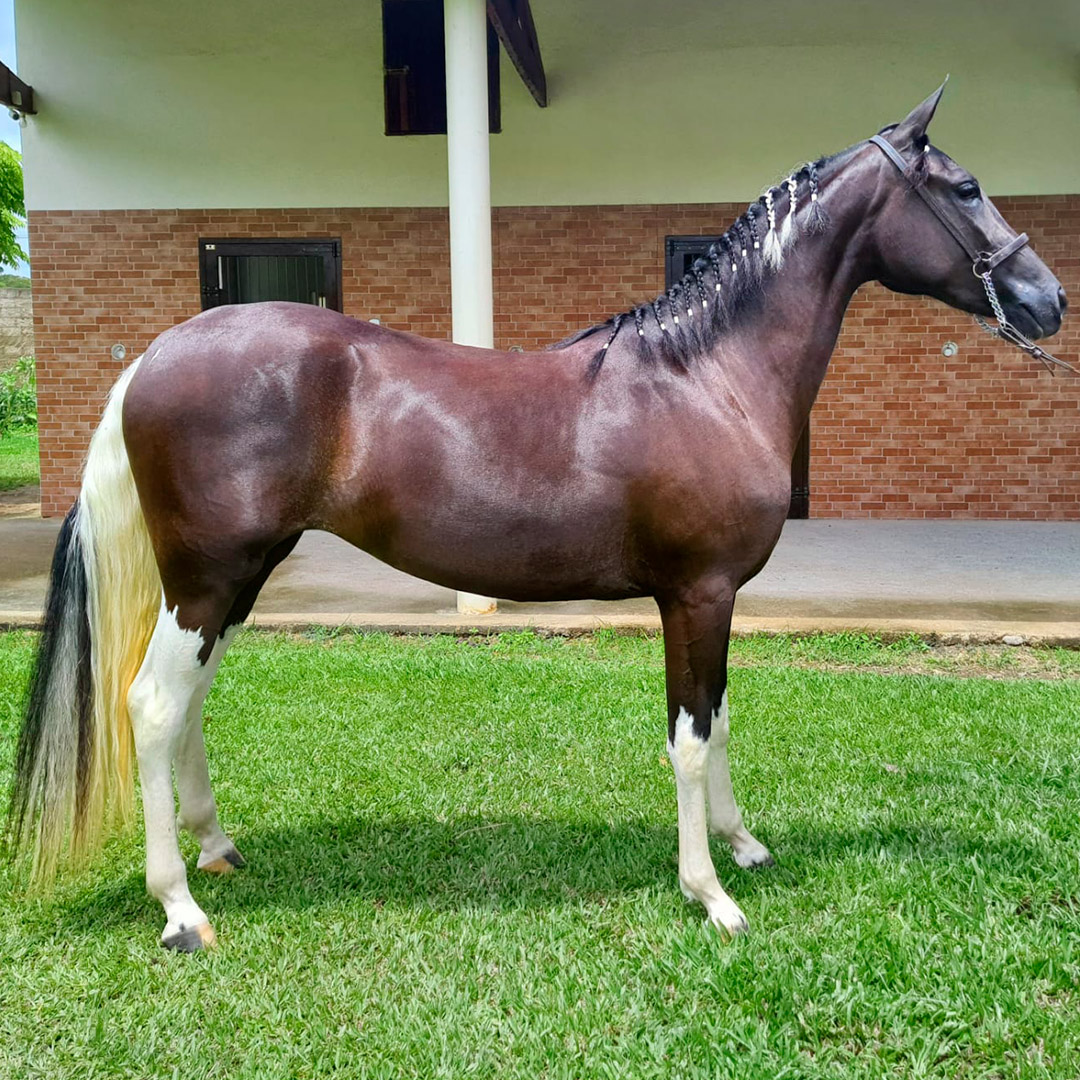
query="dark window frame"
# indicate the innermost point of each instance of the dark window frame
(414, 69)
(677, 250)
(211, 248)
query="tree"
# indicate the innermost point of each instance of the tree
(12, 206)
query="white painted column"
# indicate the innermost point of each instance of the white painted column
(467, 153)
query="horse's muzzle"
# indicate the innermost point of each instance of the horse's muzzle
(1037, 313)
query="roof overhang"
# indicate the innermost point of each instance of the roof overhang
(513, 23)
(14, 93)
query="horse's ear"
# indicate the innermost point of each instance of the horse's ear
(911, 131)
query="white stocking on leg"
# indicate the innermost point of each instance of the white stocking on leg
(724, 817)
(697, 875)
(198, 810)
(159, 699)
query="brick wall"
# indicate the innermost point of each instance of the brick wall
(898, 431)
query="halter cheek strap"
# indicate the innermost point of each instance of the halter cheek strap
(983, 263)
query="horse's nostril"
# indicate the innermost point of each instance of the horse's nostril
(1063, 300)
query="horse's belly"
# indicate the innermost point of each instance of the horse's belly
(517, 556)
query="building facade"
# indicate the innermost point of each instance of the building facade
(162, 128)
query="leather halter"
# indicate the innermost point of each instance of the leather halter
(983, 263)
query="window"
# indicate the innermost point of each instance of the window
(414, 69)
(249, 271)
(680, 252)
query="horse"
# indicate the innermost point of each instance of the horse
(646, 456)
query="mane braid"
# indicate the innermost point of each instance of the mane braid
(718, 295)
(743, 240)
(753, 261)
(752, 219)
(818, 221)
(680, 318)
(680, 299)
(699, 281)
(688, 317)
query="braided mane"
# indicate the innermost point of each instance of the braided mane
(684, 322)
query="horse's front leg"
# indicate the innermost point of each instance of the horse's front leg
(697, 623)
(725, 819)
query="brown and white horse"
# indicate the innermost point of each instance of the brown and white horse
(649, 456)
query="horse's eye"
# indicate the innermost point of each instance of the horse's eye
(969, 189)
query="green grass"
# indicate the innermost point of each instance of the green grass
(18, 459)
(462, 863)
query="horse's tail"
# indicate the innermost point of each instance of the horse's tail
(74, 762)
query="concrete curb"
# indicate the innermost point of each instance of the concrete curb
(938, 631)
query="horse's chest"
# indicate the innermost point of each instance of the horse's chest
(723, 503)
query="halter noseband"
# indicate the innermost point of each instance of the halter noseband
(983, 264)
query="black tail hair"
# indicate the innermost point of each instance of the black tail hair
(52, 762)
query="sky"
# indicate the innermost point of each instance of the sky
(10, 131)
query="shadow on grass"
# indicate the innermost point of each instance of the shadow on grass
(506, 864)
(466, 863)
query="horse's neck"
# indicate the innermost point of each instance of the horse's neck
(784, 353)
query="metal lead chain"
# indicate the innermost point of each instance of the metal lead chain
(1007, 332)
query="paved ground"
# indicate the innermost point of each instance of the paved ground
(956, 577)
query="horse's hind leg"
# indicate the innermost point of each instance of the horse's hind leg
(199, 602)
(198, 809)
(696, 627)
(172, 677)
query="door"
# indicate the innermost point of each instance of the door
(679, 255)
(249, 271)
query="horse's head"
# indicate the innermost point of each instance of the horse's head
(927, 244)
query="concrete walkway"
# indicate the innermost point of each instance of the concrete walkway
(963, 580)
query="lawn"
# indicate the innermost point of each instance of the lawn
(461, 861)
(18, 459)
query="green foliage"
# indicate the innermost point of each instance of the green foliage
(12, 205)
(461, 862)
(14, 281)
(18, 397)
(18, 459)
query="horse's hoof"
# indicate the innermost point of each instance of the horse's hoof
(729, 921)
(223, 864)
(751, 855)
(191, 939)
(757, 859)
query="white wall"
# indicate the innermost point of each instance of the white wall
(251, 103)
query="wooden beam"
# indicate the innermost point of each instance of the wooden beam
(14, 93)
(513, 23)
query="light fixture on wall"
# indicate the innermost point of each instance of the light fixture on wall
(118, 352)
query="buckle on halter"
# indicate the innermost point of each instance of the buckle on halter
(982, 265)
